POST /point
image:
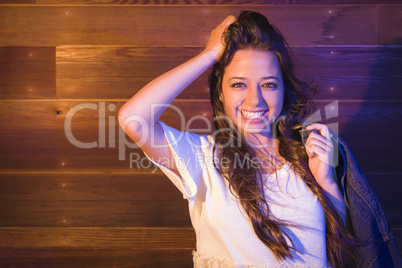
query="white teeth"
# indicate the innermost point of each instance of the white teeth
(253, 115)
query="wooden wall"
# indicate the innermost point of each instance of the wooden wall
(74, 190)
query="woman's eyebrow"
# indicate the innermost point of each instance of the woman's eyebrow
(244, 78)
(271, 77)
(237, 77)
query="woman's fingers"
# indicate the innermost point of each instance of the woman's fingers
(226, 22)
(319, 140)
(319, 143)
(215, 45)
(229, 20)
(324, 130)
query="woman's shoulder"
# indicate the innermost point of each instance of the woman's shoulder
(187, 138)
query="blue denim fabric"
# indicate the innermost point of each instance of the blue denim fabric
(368, 221)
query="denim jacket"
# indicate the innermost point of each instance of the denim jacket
(367, 218)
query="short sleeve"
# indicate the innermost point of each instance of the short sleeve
(187, 149)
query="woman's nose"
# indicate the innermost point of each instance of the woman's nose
(254, 96)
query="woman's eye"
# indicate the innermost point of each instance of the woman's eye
(238, 85)
(270, 85)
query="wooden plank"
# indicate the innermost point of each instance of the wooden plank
(27, 72)
(3, 2)
(41, 143)
(352, 72)
(133, 238)
(94, 257)
(219, 2)
(398, 238)
(91, 200)
(130, 200)
(54, 144)
(118, 72)
(389, 21)
(71, 258)
(107, 87)
(167, 26)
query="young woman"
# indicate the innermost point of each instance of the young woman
(258, 196)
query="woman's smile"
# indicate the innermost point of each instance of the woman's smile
(253, 115)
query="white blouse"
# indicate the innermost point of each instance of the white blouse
(225, 236)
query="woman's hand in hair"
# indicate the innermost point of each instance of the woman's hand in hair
(215, 45)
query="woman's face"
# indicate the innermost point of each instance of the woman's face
(253, 90)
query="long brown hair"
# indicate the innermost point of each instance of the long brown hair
(252, 30)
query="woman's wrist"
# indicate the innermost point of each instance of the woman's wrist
(327, 182)
(210, 54)
(334, 194)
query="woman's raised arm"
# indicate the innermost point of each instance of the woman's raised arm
(139, 116)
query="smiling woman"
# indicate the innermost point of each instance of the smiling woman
(258, 195)
(253, 86)
(252, 92)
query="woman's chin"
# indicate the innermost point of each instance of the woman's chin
(257, 129)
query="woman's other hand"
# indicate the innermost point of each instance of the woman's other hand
(320, 151)
(215, 45)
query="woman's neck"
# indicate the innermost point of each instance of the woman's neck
(267, 150)
(263, 143)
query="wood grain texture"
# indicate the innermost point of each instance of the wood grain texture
(361, 73)
(100, 257)
(27, 72)
(389, 25)
(91, 200)
(51, 257)
(98, 204)
(168, 26)
(3, 2)
(123, 199)
(132, 238)
(41, 143)
(218, 2)
(40, 138)
(119, 72)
